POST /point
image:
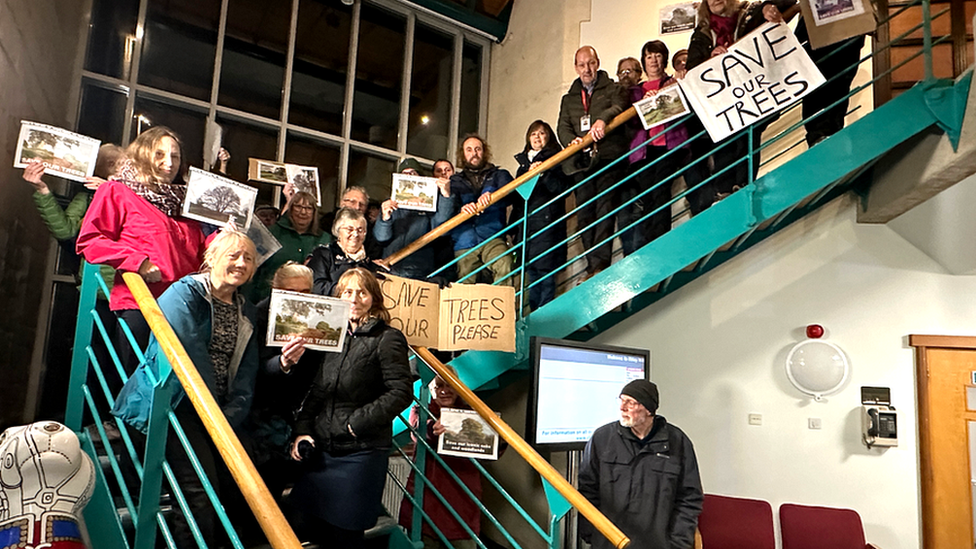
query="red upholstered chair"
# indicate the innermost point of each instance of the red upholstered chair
(809, 527)
(736, 523)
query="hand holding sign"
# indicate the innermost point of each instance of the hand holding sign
(763, 73)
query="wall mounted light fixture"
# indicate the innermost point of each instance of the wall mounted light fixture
(817, 367)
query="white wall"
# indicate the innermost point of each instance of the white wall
(718, 349)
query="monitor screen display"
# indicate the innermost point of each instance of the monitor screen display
(575, 388)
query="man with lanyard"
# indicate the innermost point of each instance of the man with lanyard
(592, 102)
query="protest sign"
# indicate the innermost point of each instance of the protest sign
(414, 192)
(414, 308)
(467, 435)
(764, 72)
(678, 17)
(461, 317)
(664, 106)
(63, 153)
(477, 316)
(319, 320)
(217, 200)
(837, 20)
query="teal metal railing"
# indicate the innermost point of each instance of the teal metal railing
(419, 460)
(752, 162)
(138, 471)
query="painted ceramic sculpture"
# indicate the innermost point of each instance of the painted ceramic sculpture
(45, 482)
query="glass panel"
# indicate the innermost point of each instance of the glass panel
(308, 152)
(180, 46)
(430, 93)
(252, 69)
(374, 173)
(907, 19)
(971, 398)
(318, 81)
(112, 37)
(102, 113)
(244, 140)
(470, 90)
(189, 125)
(379, 70)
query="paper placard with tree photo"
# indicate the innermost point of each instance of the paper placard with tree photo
(63, 153)
(414, 192)
(835, 21)
(319, 320)
(265, 242)
(679, 17)
(666, 105)
(266, 171)
(215, 199)
(467, 435)
(305, 179)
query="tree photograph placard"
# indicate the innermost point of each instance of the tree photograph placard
(305, 179)
(467, 435)
(414, 192)
(678, 17)
(666, 105)
(217, 200)
(63, 153)
(319, 320)
(265, 242)
(266, 171)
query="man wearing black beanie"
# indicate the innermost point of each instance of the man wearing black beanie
(641, 472)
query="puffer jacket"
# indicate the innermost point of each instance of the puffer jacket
(406, 226)
(187, 306)
(364, 387)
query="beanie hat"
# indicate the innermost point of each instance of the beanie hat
(409, 163)
(642, 391)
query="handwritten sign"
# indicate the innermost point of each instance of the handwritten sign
(764, 72)
(461, 317)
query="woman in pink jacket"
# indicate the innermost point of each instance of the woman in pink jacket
(133, 224)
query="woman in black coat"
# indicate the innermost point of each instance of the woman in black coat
(347, 418)
(540, 145)
(346, 252)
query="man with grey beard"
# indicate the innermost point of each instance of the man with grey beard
(642, 473)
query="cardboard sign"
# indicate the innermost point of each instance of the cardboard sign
(830, 22)
(764, 72)
(461, 317)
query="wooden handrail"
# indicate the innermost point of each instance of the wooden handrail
(266, 511)
(501, 193)
(544, 468)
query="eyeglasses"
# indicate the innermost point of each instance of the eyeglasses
(353, 230)
(301, 208)
(624, 72)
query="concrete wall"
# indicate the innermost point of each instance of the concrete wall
(718, 349)
(38, 48)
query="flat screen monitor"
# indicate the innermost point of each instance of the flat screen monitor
(575, 388)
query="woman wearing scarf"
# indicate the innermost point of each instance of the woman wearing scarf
(720, 24)
(133, 225)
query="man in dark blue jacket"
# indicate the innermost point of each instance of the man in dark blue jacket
(472, 186)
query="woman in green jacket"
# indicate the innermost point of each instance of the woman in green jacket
(298, 232)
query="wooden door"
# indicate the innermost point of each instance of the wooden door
(945, 369)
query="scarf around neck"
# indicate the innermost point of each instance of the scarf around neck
(165, 197)
(724, 28)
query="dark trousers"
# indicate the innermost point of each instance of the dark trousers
(543, 236)
(599, 257)
(140, 331)
(833, 60)
(657, 178)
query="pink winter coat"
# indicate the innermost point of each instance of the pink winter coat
(122, 229)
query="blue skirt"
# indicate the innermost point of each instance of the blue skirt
(345, 491)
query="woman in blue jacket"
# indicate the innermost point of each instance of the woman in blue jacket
(215, 324)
